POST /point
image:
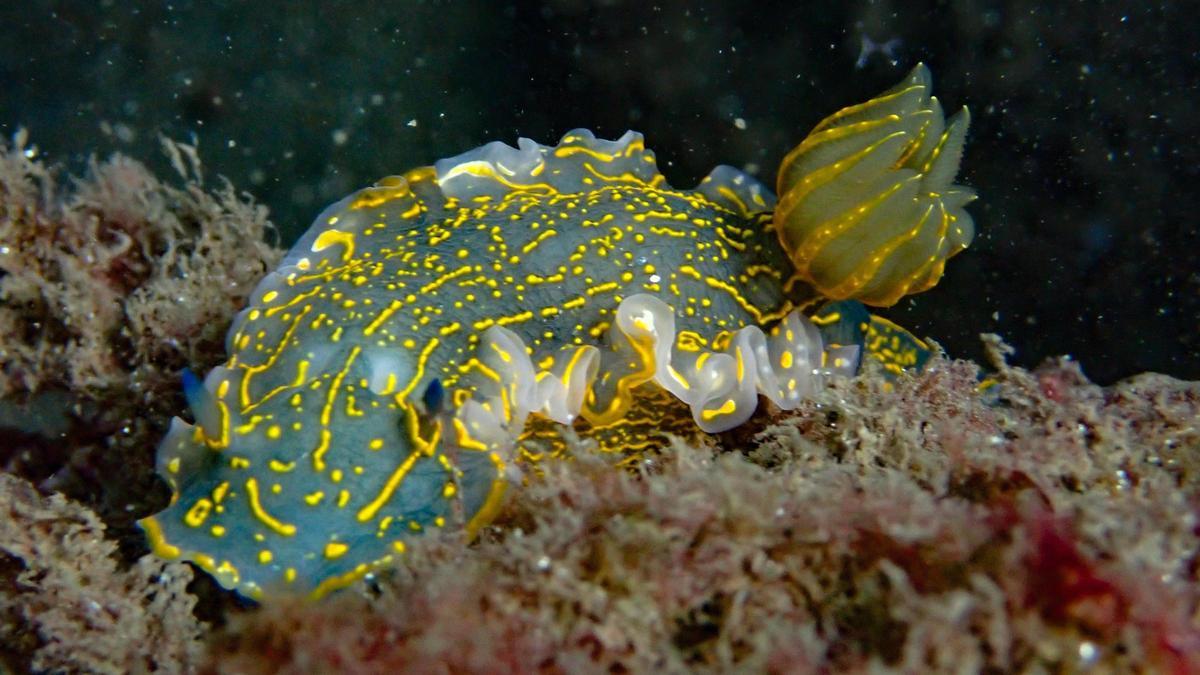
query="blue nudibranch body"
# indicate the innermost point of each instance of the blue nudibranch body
(430, 330)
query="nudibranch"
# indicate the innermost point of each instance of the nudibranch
(432, 330)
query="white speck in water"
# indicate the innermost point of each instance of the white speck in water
(413, 123)
(124, 132)
(340, 136)
(739, 123)
(1088, 652)
(543, 563)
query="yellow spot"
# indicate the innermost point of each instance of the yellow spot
(227, 571)
(726, 408)
(463, 436)
(375, 444)
(196, 515)
(264, 557)
(384, 524)
(334, 237)
(335, 549)
(504, 356)
(420, 370)
(491, 505)
(281, 467)
(690, 341)
(678, 377)
(321, 449)
(274, 432)
(158, 543)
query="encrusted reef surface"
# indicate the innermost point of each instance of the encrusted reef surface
(1041, 523)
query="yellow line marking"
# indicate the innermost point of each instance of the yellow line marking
(256, 507)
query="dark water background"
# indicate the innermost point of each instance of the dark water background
(1083, 145)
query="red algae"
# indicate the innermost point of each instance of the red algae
(1066, 587)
